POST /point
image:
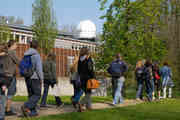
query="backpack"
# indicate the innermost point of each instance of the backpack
(116, 69)
(48, 72)
(26, 67)
(157, 77)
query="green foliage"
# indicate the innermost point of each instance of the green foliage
(131, 28)
(44, 24)
(4, 33)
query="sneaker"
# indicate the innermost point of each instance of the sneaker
(25, 111)
(61, 105)
(10, 113)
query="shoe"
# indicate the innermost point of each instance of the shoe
(10, 113)
(43, 106)
(60, 106)
(25, 111)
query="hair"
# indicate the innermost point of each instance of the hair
(11, 43)
(34, 44)
(139, 64)
(118, 56)
(51, 56)
(166, 63)
(84, 51)
(148, 63)
(74, 66)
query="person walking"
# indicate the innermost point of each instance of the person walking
(86, 72)
(34, 82)
(49, 70)
(167, 82)
(117, 69)
(147, 77)
(139, 79)
(8, 63)
(156, 81)
(75, 81)
(12, 46)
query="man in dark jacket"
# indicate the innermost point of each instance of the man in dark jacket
(117, 69)
(34, 82)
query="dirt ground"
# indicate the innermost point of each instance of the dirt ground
(52, 110)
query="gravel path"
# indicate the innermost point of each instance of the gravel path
(52, 110)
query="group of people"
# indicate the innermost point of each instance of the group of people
(82, 69)
(147, 74)
(40, 73)
(156, 79)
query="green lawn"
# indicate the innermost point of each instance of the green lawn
(65, 99)
(163, 110)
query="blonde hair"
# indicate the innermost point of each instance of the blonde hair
(74, 66)
(139, 64)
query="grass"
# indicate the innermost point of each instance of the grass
(65, 99)
(163, 110)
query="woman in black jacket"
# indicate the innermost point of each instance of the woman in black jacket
(86, 72)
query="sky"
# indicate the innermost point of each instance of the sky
(68, 12)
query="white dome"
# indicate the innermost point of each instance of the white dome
(87, 29)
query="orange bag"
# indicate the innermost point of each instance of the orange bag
(92, 84)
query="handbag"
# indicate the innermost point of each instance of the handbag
(92, 84)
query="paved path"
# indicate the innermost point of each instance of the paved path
(52, 110)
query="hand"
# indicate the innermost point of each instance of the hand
(4, 88)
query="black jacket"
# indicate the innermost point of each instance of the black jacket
(85, 70)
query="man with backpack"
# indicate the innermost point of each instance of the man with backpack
(117, 69)
(31, 69)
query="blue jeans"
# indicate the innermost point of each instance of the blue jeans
(148, 89)
(2, 104)
(153, 85)
(77, 95)
(45, 94)
(140, 89)
(12, 89)
(34, 93)
(118, 92)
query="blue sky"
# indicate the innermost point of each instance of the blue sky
(68, 12)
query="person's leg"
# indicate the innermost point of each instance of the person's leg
(29, 87)
(45, 94)
(153, 88)
(170, 93)
(113, 82)
(139, 90)
(10, 94)
(148, 89)
(118, 94)
(2, 106)
(33, 100)
(59, 102)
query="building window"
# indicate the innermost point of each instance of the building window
(23, 39)
(17, 38)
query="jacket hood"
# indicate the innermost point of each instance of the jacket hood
(31, 51)
(82, 58)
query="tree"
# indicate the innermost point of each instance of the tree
(4, 33)
(44, 24)
(131, 28)
(11, 20)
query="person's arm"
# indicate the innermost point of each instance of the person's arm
(39, 67)
(13, 56)
(91, 68)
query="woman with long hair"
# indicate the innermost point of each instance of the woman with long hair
(139, 79)
(86, 72)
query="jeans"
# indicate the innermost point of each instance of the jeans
(114, 86)
(34, 93)
(148, 89)
(77, 95)
(2, 104)
(12, 89)
(153, 85)
(45, 94)
(139, 89)
(87, 100)
(118, 92)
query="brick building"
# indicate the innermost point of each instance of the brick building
(66, 46)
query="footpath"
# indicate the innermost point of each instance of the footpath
(52, 110)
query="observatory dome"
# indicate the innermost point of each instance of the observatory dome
(87, 29)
